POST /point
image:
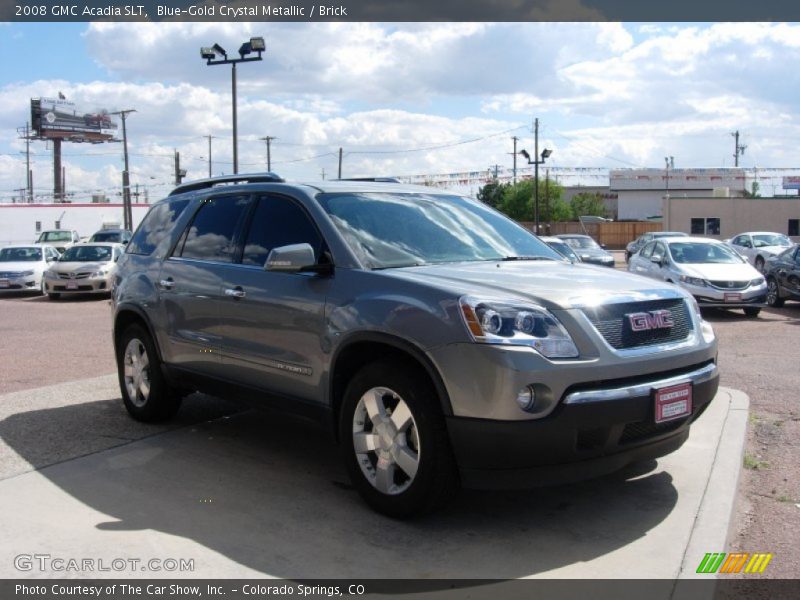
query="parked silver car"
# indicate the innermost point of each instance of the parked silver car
(639, 243)
(440, 342)
(23, 267)
(710, 270)
(759, 246)
(83, 269)
(587, 249)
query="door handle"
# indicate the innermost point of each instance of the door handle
(167, 284)
(236, 292)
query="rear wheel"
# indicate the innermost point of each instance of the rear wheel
(394, 441)
(752, 311)
(773, 293)
(145, 392)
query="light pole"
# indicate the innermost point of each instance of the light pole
(127, 211)
(216, 55)
(669, 161)
(536, 162)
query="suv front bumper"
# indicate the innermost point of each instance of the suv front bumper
(591, 433)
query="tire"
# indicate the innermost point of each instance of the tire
(53, 296)
(752, 311)
(760, 264)
(420, 473)
(627, 256)
(773, 293)
(145, 392)
(42, 288)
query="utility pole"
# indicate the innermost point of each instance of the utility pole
(669, 161)
(268, 139)
(536, 174)
(738, 149)
(340, 163)
(127, 211)
(497, 168)
(547, 215)
(514, 176)
(179, 174)
(26, 133)
(209, 137)
(323, 173)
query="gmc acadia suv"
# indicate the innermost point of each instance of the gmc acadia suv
(442, 343)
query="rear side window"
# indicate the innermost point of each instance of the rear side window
(211, 234)
(647, 251)
(278, 221)
(156, 226)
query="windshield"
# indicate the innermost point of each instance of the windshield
(770, 239)
(581, 243)
(87, 254)
(700, 253)
(20, 254)
(395, 230)
(56, 236)
(563, 248)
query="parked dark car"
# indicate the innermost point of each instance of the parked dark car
(562, 247)
(588, 250)
(783, 277)
(114, 236)
(640, 242)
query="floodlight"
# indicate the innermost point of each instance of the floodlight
(220, 50)
(546, 153)
(207, 53)
(257, 44)
(525, 154)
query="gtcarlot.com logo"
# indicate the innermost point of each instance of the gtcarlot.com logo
(736, 562)
(59, 564)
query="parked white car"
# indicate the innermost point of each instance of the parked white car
(710, 270)
(83, 269)
(60, 239)
(23, 267)
(759, 246)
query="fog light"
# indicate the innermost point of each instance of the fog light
(526, 397)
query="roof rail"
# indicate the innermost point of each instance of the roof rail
(373, 179)
(201, 184)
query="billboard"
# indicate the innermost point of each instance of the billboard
(791, 183)
(59, 118)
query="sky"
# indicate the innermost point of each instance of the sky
(406, 99)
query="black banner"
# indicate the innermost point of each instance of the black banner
(404, 10)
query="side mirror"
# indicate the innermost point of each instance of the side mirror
(603, 246)
(291, 259)
(658, 259)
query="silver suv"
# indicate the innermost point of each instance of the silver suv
(442, 343)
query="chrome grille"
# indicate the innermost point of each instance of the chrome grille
(612, 323)
(73, 275)
(730, 285)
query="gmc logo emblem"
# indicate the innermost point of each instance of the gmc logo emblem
(644, 321)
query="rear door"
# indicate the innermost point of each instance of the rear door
(273, 333)
(190, 282)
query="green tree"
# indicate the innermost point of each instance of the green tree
(586, 204)
(492, 193)
(517, 201)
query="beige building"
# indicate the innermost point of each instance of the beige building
(722, 218)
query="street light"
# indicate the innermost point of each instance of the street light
(217, 55)
(544, 155)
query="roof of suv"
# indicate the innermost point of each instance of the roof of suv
(334, 185)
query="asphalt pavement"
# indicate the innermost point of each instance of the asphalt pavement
(246, 494)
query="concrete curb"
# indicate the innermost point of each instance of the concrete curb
(712, 524)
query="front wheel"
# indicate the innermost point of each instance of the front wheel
(752, 311)
(394, 441)
(146, 394)
(773, 294)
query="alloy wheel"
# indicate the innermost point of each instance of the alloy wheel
(137, 372)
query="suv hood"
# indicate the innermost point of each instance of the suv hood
(554, 285)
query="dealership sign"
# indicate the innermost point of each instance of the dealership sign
(791, 183)
(58, 118)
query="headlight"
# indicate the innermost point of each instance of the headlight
(26, 274)
(516, 323)
(50, 275)
(757, 281)
(693, 281)
(100, 273)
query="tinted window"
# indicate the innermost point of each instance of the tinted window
(278, 221)
(156, 226)
(698, 226)
(20, 255)
(210, 235)
(84, 253)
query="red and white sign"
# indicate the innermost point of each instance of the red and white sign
(673, 402)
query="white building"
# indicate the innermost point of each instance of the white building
(21, 223)
(641, 192)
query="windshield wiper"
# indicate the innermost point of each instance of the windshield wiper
(510, 258)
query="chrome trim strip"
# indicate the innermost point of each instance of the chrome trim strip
(642, 389)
